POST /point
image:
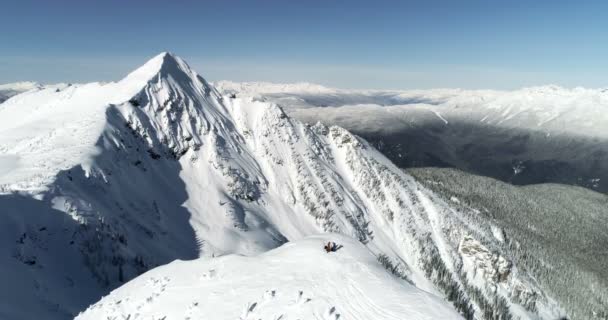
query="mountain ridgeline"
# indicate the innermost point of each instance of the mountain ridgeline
(160, 166)
(528, 136)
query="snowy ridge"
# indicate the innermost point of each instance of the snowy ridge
(526, 136)
(295, 281)
(19, 86)
(9, 90)
(161, 166)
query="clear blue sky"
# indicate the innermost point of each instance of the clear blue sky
(356, 44)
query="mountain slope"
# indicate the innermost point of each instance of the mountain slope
(296, 281)
(559, 231)
(11, 89)
(527, 136)
(159, 166)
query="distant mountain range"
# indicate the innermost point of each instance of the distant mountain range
(527, 136)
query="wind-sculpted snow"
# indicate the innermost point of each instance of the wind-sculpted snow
(161, 166)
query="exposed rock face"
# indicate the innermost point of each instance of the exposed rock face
(489, 265)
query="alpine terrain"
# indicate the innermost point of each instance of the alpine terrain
(533, 135)
(176, 201)
(12, 89)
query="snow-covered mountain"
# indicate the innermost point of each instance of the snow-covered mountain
(549, 108)
(100, 183)
(532, 135)
(295, 281)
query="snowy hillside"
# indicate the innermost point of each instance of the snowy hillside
(11, 89)
(527, 136)
(295, 281)
(100, 183)
(548, 221)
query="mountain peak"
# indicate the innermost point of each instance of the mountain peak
(165, 64)
(166, 54)
(166, 59)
